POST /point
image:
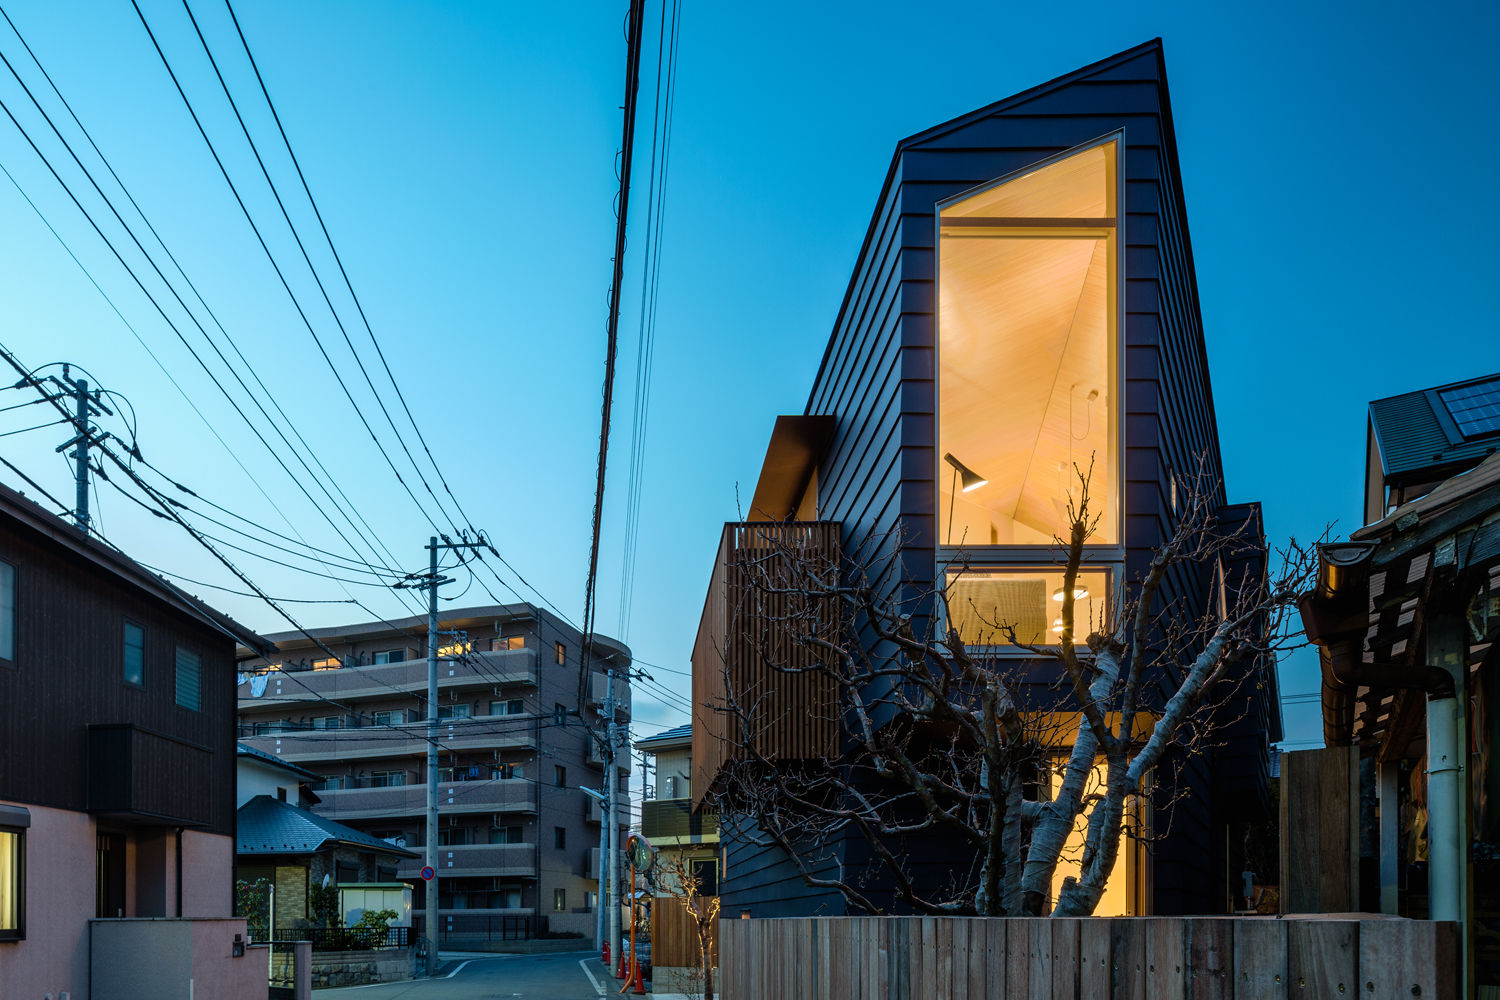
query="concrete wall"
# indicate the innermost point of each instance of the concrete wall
(60, 849)
(172, 959)
(252, 778)
(207, 874)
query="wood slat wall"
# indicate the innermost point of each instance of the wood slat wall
(674, 938)
(1320, 830)
(1123, 958)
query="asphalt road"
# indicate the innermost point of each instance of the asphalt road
(537, 977)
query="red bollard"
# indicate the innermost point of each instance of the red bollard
(605, 959)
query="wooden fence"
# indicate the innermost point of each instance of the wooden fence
(674, 936)
(1120, 958)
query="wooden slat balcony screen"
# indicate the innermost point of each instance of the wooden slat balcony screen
(753, 617)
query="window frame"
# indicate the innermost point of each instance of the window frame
(128, 623)
(15, 612)
(15, 821)
(1096, 556)
(559, 900)
(559, 838)
(560, 653)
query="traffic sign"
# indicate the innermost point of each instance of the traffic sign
(428, 874)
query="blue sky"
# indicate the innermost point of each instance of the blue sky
(1333, 157)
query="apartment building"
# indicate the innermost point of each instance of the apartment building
(517, 837)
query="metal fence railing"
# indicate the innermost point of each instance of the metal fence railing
(340, 938)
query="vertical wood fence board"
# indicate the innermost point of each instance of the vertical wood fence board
(994, 959)
(1093, 959)
(1127, 947)
(1165, 958)
(975, 960)
(1065, 940)
(930, 954)
(953, 958)
(1260, 959)
(1210, 959)
(1406, 959)
(1039, 956)
(1018, 958)
(1322, 957)
(900, 966)
(884, 989)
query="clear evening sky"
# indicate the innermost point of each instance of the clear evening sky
(1337, 160)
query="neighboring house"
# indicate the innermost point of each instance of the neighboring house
(1406, 615)
(296, 850)
(1024, 301)
(517, 839)
(668, 819)
(117, 767)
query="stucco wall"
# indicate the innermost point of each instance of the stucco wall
(170, 959)
(207, 874)
(60, 849)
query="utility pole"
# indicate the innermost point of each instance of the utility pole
(611, 810)
(431, 582)
(85, 406)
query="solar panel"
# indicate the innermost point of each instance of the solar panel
(1475, 407)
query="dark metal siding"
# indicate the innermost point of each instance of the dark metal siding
(877, 380)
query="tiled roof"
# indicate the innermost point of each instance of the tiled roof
(676, 734)
(244, 750)
(266, 825)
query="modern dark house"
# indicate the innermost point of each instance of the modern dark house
(1024, 301)
(117, 773)
(1406, 616)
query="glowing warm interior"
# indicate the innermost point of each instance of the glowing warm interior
(1115, 902)
(1027, 331)
(983, 604)
(10, 875)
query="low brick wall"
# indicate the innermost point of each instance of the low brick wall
(356, 968)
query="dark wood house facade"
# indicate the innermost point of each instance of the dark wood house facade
(117, 748)
(877, 451)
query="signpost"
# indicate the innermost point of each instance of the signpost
(642, 856)
(428, 874)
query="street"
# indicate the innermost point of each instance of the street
(471, 976)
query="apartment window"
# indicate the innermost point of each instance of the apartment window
(327, 663)
(453, 711)
(456, 836)
(387, 779)
(560, 837)
(7, 612)
(509, 897)
(331, 783)
(559, 714)
(329, 722)
(508, 642)
(389, 656)
(511, 706)
(1028, 354)
(13, 823)
(559, 900)
(394, 717)
(560, 652)
(189, 677)
(506, 771)
(506, 835)
(135, 654)
(559, 776)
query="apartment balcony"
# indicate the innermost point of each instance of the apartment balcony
(594, 756)
(470, 860)
(512, 795)
(673, 821)
(591, 863)
(599, 689)
(593, 810)
(748, 630)
(137, 776)
(376, 743)
(291, 686)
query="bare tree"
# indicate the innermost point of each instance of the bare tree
(939, 733)
(674, 875)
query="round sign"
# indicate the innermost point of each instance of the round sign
(640, 852)
(428, 874)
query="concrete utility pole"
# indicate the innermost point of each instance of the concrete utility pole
(611, 813)
(431, 582)
(85, 406)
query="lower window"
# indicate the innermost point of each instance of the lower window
(988, 606)
(12, 883)
(559, 900)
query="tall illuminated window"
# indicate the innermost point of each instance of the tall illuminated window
(1028, 381)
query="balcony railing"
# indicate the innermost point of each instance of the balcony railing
(504, 795)
(476, 859)
(381, 742)
(673, 820)
(747, 630)
(472, 670)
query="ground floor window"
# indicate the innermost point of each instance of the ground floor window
(559, 900)
(12, 883)
(1126, 891)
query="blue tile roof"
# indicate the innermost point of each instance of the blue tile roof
(244, 750)
(266, 825)
(673, 735)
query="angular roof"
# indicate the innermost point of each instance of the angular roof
(60, 534)
(268, 826)
(1422, 435)
(682, 735)
(272, 760)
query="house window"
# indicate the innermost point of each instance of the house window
(560, 837)
(1010, 606)
(387, 779)
(189, 676)
(706, 874)
(7, 612)
(560, 652)
(559, 776)
(505, 835)
(559, 900)
(511, 706)
(1028, 345)
(509, 642)
(390, 656)
(453, 711)
(13, 823)
(135, 654)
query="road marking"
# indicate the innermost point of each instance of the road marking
(583, 963)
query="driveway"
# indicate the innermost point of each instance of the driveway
(486, 977)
